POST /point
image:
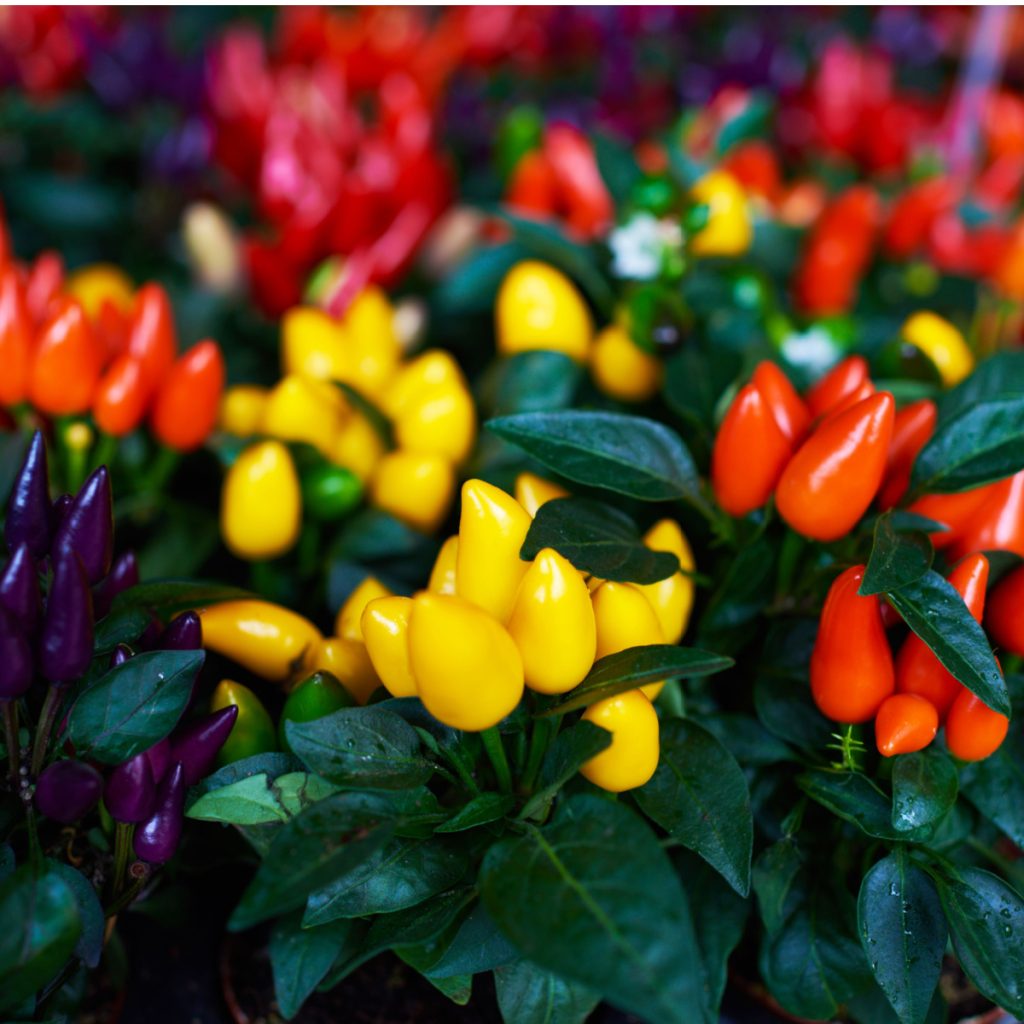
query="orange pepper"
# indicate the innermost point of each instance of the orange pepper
(15, 339)
(904, 723)
(973, 730)
(912, 429)
(188, 401)
(152, 339)
(1005, 617)
(120, 400)
(844, 385)
(67, 363)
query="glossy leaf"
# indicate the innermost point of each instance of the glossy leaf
(301, 957)
(167, 597)
(528, 994)
(996, 787)
(257, 800)
(854, 798)
(89, 947)
(477, 946)
(898, 557)
(924, 788)
(538, 381)
(572, 747)
(481, 810)
(779, 879)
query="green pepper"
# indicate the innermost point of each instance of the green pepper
(656, 194)
(253, 732)
(520, 131)
(330, 492)
(313, 698)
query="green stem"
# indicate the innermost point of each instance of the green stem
(11, 738)
(496, 752)
(122, 851)
(104, 452)
(51, 705)
(543, 733)
(127, 897)
(161, 470)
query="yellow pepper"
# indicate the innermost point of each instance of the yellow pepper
(414, 487)
(672, 598)
(552, 624)
(99, 283)
(253, 732)
(467, 668)
(532, 491)
(314, 344)
(538, 307)
(625, 618)
(266, 638)
(492, 528)
(632, 758)
(302, 409)
(728, 231)
(622, 369)
(358, 446)
(433, 370)
(347, 621)
(374, 348)
(942, 343)
(261, 503)
(385, 625)
(441, 421)
(241, 410)
(442, 576)
(348, 661)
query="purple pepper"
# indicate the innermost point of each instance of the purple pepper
(131, 790)
(159, 757)
(196, 746)
(157, 838)
(88, 529)
(185, 633)
(15, 658)
(67, 790)
(124, 573)
(19, 588)
(59, 512)
(121, 653)
(28, 509)
(150, 638)
(65, 647)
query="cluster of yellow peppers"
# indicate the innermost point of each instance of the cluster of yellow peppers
(426, 399)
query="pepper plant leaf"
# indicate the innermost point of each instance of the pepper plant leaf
(527, 994)
(166, 598)
(597, 539)
(898, 557)
(924, 788)
(537, 381)
(996, 787)
(853, 797)
(572, 748)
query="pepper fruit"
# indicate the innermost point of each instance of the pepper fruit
(184, 633)
(124, 573)
(622, 369)
(672, 597)
(918, 671)
(847, 383)
(196, 745)
(625, 618)
(261, 503)
(728, 230)
(120, 654)
(152, 340)
(65, 645)
(28, 508)
(16, 341)
(347, 623)
(130, 792)
(442, 575)
(414, 487)
(552, 624)
(242, 409)
(19, 589)
(188, 398)
(1004, 619)
(253, 730)
(851, 664)
(538, 307)
(833, 477)
(15, 656)
(492, 529)
(59, 511)
(330, 492)
(67, 362)
(905, 723)
(157, 838)
(159, 758)
(632, 758)
(303, 409)
(318, 695)
(385, 626)
(468, 670)
(532, 491)
(913, 427)
(120, 401)
(998, 525)
(955, 511)
(265, 638)
(942, 343)
(66, 790)
(973, 730)
(588, 205)
(314, 344)
(789, 410)
(358, 446)
(348, 661)
(98, 284)
(88, 528)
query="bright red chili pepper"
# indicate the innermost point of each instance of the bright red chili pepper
(973, 730)
(905, 723)
(953, 510)
(998, 525)
(588, 204)
(1005, 617)
(121, 397)
(44, 283)
(152, 339)
(532, 187)
(786, 406)
(913, 214)
(833, 477)
(851, 665)
(16, 340)
(189, 399)
(754, 164)
(912, 428)
(847, 383)
(67, 361)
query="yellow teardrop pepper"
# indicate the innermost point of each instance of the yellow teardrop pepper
(492, 528)
(347, 621)
(314, 344)
(532, 491)
(302, 409)
(375, 351)
(432, 370)
(346, 660)
(263, 637)
(728, 231)
(358, 446)
(625, 618)
(671, 598)
(261, 502)
(442, 576)
(552, 624)
(414, 487)
(538, 307)
(467, 668)
(632, 758)
(99, 283)
(441, 421)
(622, 369)
(942, 343)
(241, 410)
(385, 625)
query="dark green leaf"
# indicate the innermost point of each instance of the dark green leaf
(745, 591)
(624, 454)
(779, 880)
(572, 748)
(574, 905)
(986, 921)
(13, 447)
(694, 383)
(165, 598)
(924, 787)
(996, 787)
(41, 929)
(372, 534)
(747, 739)
(854, 798)
(89, 947)
(900, 519)
(481, 810)
(897, 558)
(637, 666)
(903, 934)
(257, 800)
(785, 708)
(478, 946)
(616, 164)
(365, 748)
(538, 381)
(121, 627)
(933, 609)
(271, 765)
(999, 376)
(472, 286)
(134, 705)
(597, 539)
(301, 957)
(699, 796)
(530, 995)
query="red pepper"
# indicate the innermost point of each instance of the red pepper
(67, 362)
(973, 730)
(1005, 617)
(905, 723)
(188, 401)
(121, 397)
(786, 406)
(844, 385)
(15, 339)
(913, 214)
(532, 188)
(954, 511)
(588, 204)
(998, 525)
(152, 340)
(43, 286)
(912, 428)
(756, 167)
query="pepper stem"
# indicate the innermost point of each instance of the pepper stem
(496, 752)
(11, 738)
(543, 732)
(122, 851)
(46, 718)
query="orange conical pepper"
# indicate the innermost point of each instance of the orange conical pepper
(43, 285)
(973, 730)
(67, 362)
(186, 406)
(830, 482)
(15, 339)
(788, 408)
(844, 385)
(912, 428)
(955, 511)
(152, 339)
(1005, 617)
(917, 669)
(905, 723)
(851, 665)
(998, 525)
(121, 398)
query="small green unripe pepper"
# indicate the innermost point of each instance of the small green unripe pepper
(313, 698)
(330, 492)
(253, 732)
